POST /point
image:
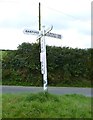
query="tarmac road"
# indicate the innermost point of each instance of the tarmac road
(53, 90)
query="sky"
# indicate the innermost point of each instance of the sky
(70, 18)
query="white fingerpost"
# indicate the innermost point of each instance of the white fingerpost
(43, 60)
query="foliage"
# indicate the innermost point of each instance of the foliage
(0, 106)
(41, 106)
(66, 66)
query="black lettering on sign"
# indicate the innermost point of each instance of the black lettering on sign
(53, 35)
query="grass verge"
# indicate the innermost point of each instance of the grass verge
(0, 106)
(47, 105)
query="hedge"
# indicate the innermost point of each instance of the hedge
(66, 66)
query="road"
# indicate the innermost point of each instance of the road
(54, 90)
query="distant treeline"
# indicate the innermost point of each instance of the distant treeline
(66, 66)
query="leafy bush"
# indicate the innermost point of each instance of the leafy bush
(65, 65)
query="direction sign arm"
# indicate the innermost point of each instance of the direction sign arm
(47, 31)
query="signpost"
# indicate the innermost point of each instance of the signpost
(34, 32)
(42, 34)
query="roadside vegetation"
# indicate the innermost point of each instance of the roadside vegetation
(0, 106)
(0, 67)
(66, 66)
(47, 105)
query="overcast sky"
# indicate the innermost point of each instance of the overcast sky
(70, 18)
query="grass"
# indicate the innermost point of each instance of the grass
(47, 105)
(0, 106)
(0, 82)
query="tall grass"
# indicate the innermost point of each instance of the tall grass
(0, 106)
(42, 105)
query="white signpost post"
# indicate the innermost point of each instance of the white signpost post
(43, 60)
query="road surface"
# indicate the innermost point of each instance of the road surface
(53, 90)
